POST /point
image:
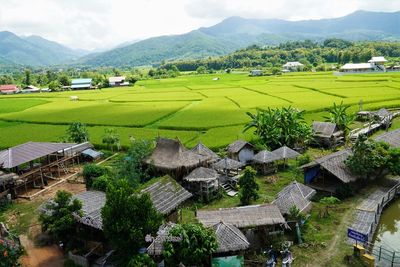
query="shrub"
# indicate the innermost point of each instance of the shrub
(303, 159)
(92, 171)
(101, 183)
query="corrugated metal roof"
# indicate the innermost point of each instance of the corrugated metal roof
(350, 66)
(116, 79)
(81, 81)
(28, 152)
(377, 59)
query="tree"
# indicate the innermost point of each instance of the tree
(201, 70)
(55, 85)
(91, 172)
(248, 187)
(58, 219)
(277, 127)
(197, 244)
(127, 219)
(111, 139)
(131, 167)
(64, 80)
(338, 115)
(394, 161)
(27, 79)
(369, 158)
(77, 133)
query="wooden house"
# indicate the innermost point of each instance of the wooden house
(329, 173)
(264, 162)
(327, 134)
(241, 151)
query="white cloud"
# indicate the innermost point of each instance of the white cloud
(94, 24)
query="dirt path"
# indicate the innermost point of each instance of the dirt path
(49, 256)
(334, 249)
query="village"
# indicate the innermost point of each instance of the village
(189, 177)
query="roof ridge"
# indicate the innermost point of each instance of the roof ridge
(301, 192)
(234, 232)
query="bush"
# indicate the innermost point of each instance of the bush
(9, 253)
(101, 183)
(303, 159)
(92, 171)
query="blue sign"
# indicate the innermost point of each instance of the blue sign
(357, 235)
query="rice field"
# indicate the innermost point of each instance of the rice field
(191, 107)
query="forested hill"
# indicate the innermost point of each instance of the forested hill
(34, 51)
(311, 54)
(236, 33)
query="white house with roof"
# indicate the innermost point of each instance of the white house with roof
(117, 81)
(293, 66)
(77, 84)
(374, 64)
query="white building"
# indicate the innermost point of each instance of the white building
(256, 73)
(293, 66)
(374, 64)
(117, 81)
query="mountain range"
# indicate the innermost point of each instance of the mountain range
(34, 50)
(225, 37)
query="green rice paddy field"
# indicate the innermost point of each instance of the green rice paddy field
(192, 108)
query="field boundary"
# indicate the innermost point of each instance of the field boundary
(263, 93)
(319, 91)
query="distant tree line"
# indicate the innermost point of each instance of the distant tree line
(311, 54)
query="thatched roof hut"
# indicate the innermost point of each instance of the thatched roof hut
(318, 174)
(171, 156)
(243, 217)
(92, 203)
(285, 152)
(228, 164)
(202, 150)
(295, 194)
(327, 134)
(392, 138)
(166, 194)
(202, 174)
(241, 151)
(229, 238)
(265, 156)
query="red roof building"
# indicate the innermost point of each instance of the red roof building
(8, 89)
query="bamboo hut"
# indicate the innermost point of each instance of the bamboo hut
(202, 150)
(284, 153)
(329, 173)
(171, 157)
(264, 162)
(327, 134)
(202, 181)
(295, 194)
(392, 138)
(241, 151)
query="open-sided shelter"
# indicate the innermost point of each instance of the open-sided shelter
(228, 166)
(241, 151)
(264, 162)
(39, 161)
(295, 194)
(327, 134)
(329, 173)
(171, 157)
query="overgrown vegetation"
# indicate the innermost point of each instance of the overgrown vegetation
(248, 188)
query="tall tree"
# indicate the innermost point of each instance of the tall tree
(78, 133)
(248, 187)
(111, 139)
(127, 219)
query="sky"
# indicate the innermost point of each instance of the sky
(102, 24)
